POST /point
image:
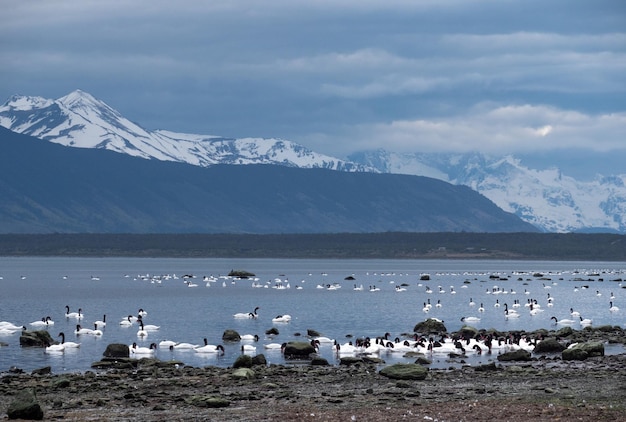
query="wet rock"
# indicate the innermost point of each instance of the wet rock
(259, 360)
(517, 355)
(25, 406)
(549, 345)
(319, 361)
(583, 351)
(231, 335)
(208, 401)
(116, 350)
(486, 367)
(243, 361)
(39, 338)
(313, 333)
(272, 331)
(430, 326)
(243, 373)
(42, 371)
(404, 371)
(423, 360)
(298, 350)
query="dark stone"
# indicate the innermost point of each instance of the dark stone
(259, 360)
(313, 333)
(319, 361)
(25, 406)
(231, 335)
(116, 350)
(272, 331)
(517, 355)
(208, 401)
(549, 345)
(430, 326)
(423, 360)
(39, 338)
(583, 351)
(486, 367)
(574, 354)
(298, 350)
(243, 361)
(42, 371)
(405, 371)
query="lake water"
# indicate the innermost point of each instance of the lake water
(33, 288)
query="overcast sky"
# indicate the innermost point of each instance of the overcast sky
(499, 76)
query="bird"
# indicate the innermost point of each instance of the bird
(612, 307)
(101, 323)
(55, 348)
(95, 331)
(247, 315)
(80, 330)
(184, 346)
(69, 314)
(209, 348)
(274, 346)
(248, 348)
(135, 350)
(44, 322)
(249, 337)
(68, 344)
(563, 321)
(585, 321)
(167, 343)
(142, 332)
(470, 319)
(127, 322)
(282, 318)
(148, 327)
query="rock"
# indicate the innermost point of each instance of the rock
(298, 350)
(42, 371)
(423, 360)
(583, 351)
(116, 350)
(259, 360)
(349, 360)
(404, 371)
(272, 331)
(517, 355)
(319, 361)
(243, 361)
(243, 373)
(61, 383)
(467, 331)
(25, 406)
(313, 333)
(430, 326)
(39, 338)
(565, 332)
(549, 345)
(208, 401)
(231, 335)
(486, 367)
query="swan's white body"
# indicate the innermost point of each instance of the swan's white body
(282, 318)
(68, 344)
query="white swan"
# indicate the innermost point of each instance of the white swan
(79, 330)
(613, 308)
(249, 337)
(95, 331)
(470, 319)
(101, 323)
(564, 321)
(68, 344)
(44, 322)
(282, 318)
(247, 315)
(69, 314)
(127, 322)
(167, 343)
(210, 348)
(134, 350)
(55, 348)
(274, 346)
(248, 348)
(142, 332)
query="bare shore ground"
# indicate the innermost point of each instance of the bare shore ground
(543, 389)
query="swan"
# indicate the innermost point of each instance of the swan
(44, 322)
(563, 321)
(344, 349)
(5, 325)
(68, 344)
(69, 314)
(55, 348)
(142, 332)
(282, 318)
(249, 337)
(510, 314)
(247, 315)
(80, 330)
(248, 348)
(127, 322)
(142, 313)
(95, 331)
(585, 321)
(143, 350)
(148, 327)
(613, 308)
(102, 323)
(274, 346)
(209, 348)
(470, 319)
(482, 308)
(574, 313)
(184, 346)
(167, 343)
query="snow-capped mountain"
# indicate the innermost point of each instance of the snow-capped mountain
(548, 199)
(80, 120)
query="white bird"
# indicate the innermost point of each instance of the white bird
(274, 346)
(134, 350)
(142, 332)
(167, 343)
(613, 308)
(247, 315)
(44, 322)
(248, 348)
(184, 346)
(470, 319)
(95, 331)
(564, 321)
(68, 344)
(102, 323)
(80, 330)
(148, 327)
(282, 318)
(77, 315)
(585, 321)
(127, 322)
(249, 337)
(55, 348)
(209, 348)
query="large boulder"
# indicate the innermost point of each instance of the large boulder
(298, 350)
(549, 345)
(116, 350)
(231, 335)
(583, 351)
(516, 355)
(430, 326)
(25, 406)
(405, 371)
(39, 338)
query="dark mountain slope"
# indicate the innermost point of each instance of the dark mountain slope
(51, 188)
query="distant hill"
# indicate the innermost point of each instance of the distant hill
(48, 188)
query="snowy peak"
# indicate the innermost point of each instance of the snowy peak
(80, 120)
(548, 199)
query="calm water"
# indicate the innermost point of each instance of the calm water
(33, 288)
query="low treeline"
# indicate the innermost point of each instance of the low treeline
(538, 246)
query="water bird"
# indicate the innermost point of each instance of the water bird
(210, 348)
(69, 344)
(101, 323)
(281, 318)
(247, 315)
(612, 307)
(135, 350)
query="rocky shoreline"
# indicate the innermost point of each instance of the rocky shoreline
(543, 387)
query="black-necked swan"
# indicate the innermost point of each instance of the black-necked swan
(44, 322)
(275, 346)
(55, 348)
(210, 348)
(563, 321)
(147, 327)
(470, 319)
(249, 337)
(612, 307)
(95, 331)
(282, 318)
(248, 348)
(585, 321)
(69, 314)
(143, 350)
(167, 343)
(80, 330)
(69, 344)
(127, 322)
(142, 332)
(247, 315)
(102, 323)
